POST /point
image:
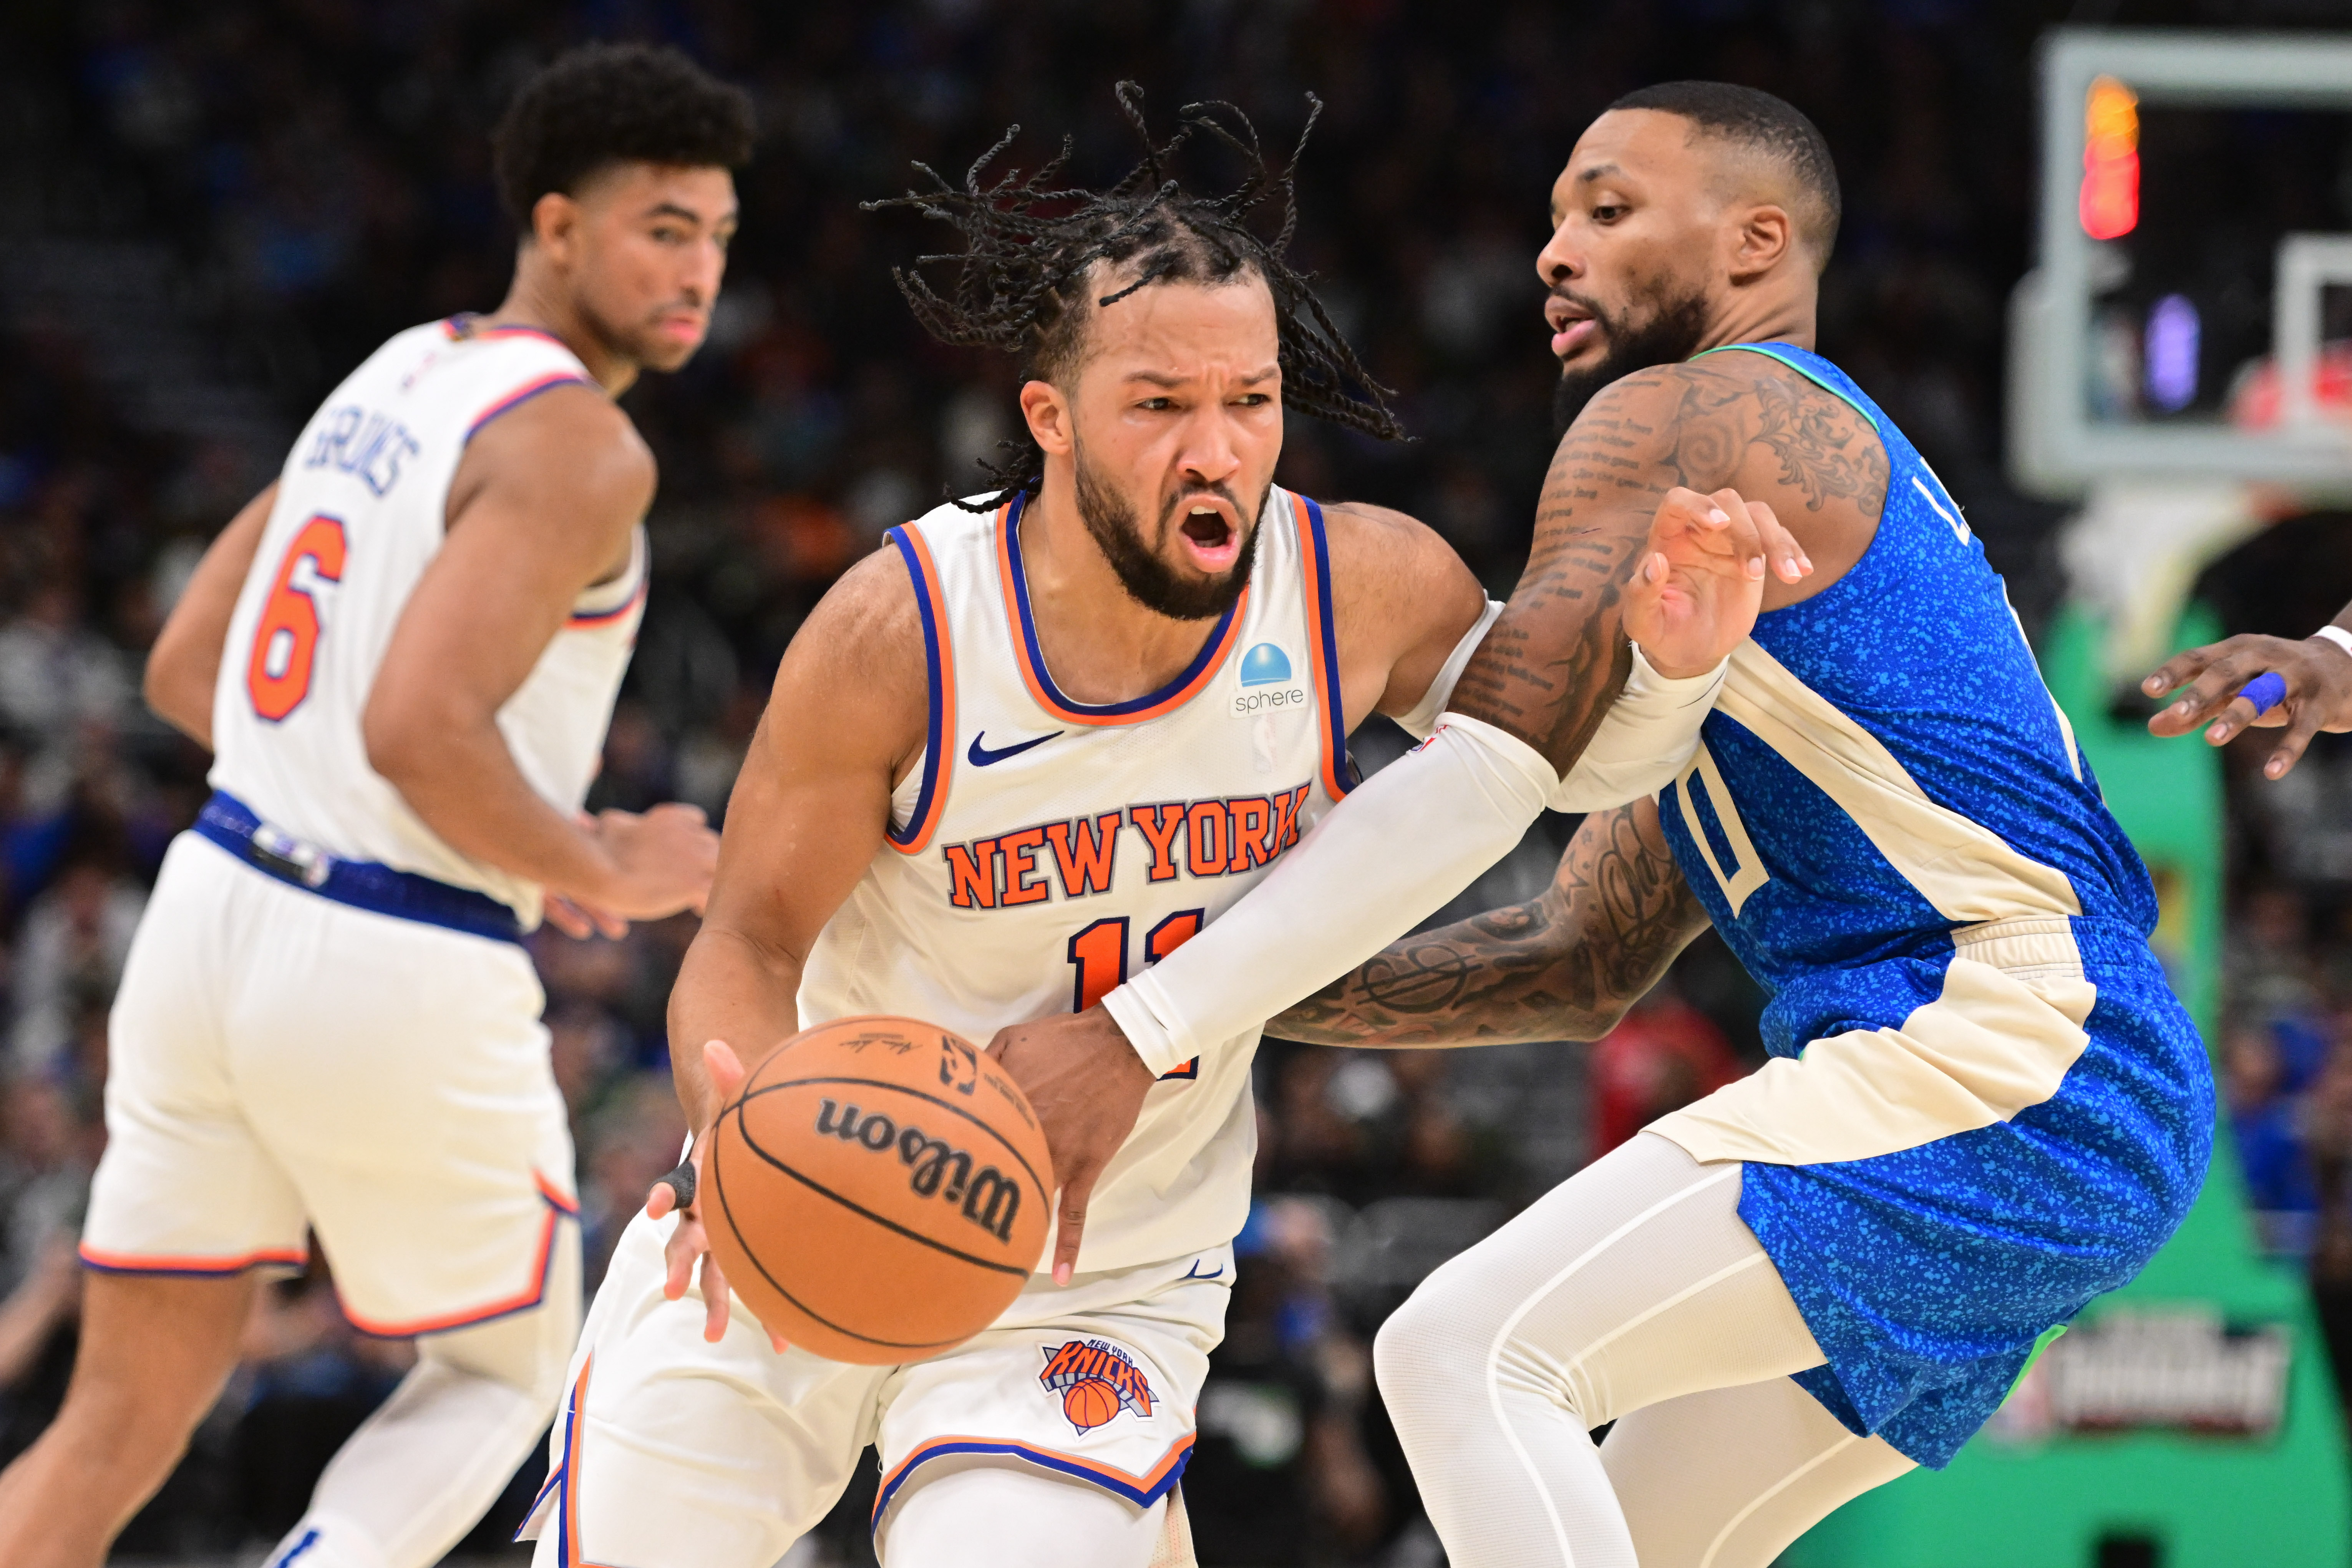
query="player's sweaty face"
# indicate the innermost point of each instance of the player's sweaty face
(1176, 421)
(652, 249)
(1629, 266)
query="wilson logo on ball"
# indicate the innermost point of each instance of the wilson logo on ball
(990, 1199)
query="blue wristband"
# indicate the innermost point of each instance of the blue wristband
(2265, 691)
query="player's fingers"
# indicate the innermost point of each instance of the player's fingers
(661, 1200)
(1787, 557)
(2181, 668)
(567, 917)
(1737, 540)
(2303, 720)
(726, 1070)
(714, 1300)
(1690, 515)
(1071, 1224)
(2204, 699)
(685, 1245)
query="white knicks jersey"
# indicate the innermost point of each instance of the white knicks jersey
(1043, 850)
(361, 509)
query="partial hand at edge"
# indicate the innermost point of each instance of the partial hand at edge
(1086, 1085)
(1699, 582)
(2318, 677)
(662, 861)
(689, 1242)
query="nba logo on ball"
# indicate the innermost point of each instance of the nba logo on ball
(1095, 1381)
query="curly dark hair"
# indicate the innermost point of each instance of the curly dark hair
(1021, 282)
(614, 103)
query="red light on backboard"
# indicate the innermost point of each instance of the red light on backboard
(2110, 204)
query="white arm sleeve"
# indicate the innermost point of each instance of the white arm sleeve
(1422, 720)
(1644, 739)
(1406, 841)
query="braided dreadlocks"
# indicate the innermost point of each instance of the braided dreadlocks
(1022, 278)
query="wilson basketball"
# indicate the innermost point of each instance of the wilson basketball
(879, 1192)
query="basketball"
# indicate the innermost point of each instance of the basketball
(879, 1191)
(1089, 1402)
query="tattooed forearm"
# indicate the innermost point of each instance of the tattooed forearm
(1559, 657)
(1564, 966)
(1552, 665)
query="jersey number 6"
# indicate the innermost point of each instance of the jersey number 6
(285, 645)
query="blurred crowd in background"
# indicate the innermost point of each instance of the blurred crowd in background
(209, 214)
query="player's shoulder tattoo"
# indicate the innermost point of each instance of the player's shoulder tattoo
(1827, 450)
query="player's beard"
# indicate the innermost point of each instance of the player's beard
(1149, 581)
(1669, 334)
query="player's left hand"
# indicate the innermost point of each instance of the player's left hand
(581, 921)
(2318, 677)
(1086, 1085)
(689, 1242)
(576, 918)
(1699, 582)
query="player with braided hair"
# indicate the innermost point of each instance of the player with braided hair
(1031, 746)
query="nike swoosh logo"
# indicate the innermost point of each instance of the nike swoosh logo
(1196, 1274)
(980, 756)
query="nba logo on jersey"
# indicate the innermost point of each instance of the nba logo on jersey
(1096, 1381)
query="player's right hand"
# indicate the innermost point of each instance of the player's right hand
(1699, 582)
(662, 860)
(690, 1242)
(2318, 677)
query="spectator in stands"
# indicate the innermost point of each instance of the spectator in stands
(1661, 1056)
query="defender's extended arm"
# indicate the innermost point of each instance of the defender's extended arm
(1624, 551)
(1564, 965)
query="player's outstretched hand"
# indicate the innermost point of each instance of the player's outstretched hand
(1699, 582)
(690, 1242)
(2318, 677)
(662, 860)
(1086, 1085)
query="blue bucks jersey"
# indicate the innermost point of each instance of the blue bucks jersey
(1984, 1106)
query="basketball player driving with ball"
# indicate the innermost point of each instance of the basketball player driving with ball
(1983, 1105)
(1028, 749)
(404, 656)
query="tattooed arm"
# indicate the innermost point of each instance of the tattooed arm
(1552, 665)
(1564, 966)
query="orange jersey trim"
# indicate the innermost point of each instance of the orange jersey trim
(567, 1474)
(1143, 1490)
(605, 617)
(940, 731)
(1314, 562)
(150, 1263)
(1031, 658)
(561, 1207)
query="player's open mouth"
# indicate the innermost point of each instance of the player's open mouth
(1210, 535)
(1572, 326)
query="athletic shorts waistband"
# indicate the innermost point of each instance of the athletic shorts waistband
(361, 884)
